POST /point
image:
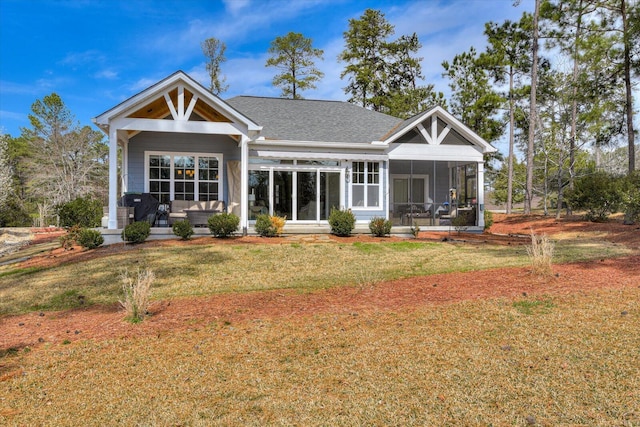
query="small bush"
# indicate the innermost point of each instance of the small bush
(342, 222)
(541, 254)
(488, 219)
(71, 238)
(182, 229)
(278, 223)
(599, 194)
(460, 223)
(380, 227)
(136, 232)
(90, 239)
(269, 226)
(83, 211)
(223, 224)
(415, 229)
(630, 194)
(137, 293)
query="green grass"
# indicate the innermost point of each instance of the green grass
(210, 269)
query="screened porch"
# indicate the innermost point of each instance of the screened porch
(433, 193)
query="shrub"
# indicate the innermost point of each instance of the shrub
(460, 223)
(342, 222)
(83, 211)
(541, 254)
(182, 229)
(488, 219)
(90, 239)
(630, 195)
(14, 213)
(269, 226)
(599, 194)
(71, 238)
(380, 227)
(278, 223)
(223, 224)
(137, 293)
(415, 229)
(136, 232)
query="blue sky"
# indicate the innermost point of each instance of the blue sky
(95, 54)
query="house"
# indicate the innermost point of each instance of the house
(293, 158)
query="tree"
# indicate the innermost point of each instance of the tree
(365, 53)
(213, 49)
(384, 74)
(6, 174)
(621, 17)
(500, 193)
(473, 99)
(294, 56)
(532, 111)
(66, 161)
(507, 59)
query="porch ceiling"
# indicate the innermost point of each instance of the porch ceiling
(159, 109)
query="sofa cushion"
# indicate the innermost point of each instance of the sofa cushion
(180, 205)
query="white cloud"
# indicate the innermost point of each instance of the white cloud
(106, 74)
(87, 57)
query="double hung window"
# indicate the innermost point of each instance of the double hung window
(365, 184)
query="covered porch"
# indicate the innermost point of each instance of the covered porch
(428, 193)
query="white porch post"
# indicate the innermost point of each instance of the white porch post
(244, 184)
(480, 187)
(124, 167)
(113, 179)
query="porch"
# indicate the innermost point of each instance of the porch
(435, 194)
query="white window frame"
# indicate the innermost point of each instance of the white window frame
(196, 189)
(366, 184)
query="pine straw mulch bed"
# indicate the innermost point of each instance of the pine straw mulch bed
(106, 322)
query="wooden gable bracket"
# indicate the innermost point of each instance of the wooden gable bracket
(180, 113)
(433, 138)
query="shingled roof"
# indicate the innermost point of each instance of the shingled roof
(313, 120)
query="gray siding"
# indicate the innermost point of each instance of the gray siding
(177, 143)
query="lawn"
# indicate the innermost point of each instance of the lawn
(211, 268)
(561, 353)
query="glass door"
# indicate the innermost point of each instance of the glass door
(282, 193)
(307, 187)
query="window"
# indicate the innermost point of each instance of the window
(183, 176)
(365, 184)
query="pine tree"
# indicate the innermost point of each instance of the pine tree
(473, 99)
(294, 56)
(507, 59)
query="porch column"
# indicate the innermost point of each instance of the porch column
(113, 179)
(124, 167)
(244, 184)
(480, 198)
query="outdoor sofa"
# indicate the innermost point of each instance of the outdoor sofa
(197, 212)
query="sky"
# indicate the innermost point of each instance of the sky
(96, 54)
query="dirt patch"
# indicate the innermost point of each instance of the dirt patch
(183, 314)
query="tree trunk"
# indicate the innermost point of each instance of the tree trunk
(511, 141)
(574, 100)
(627, 84)
(532, 113)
